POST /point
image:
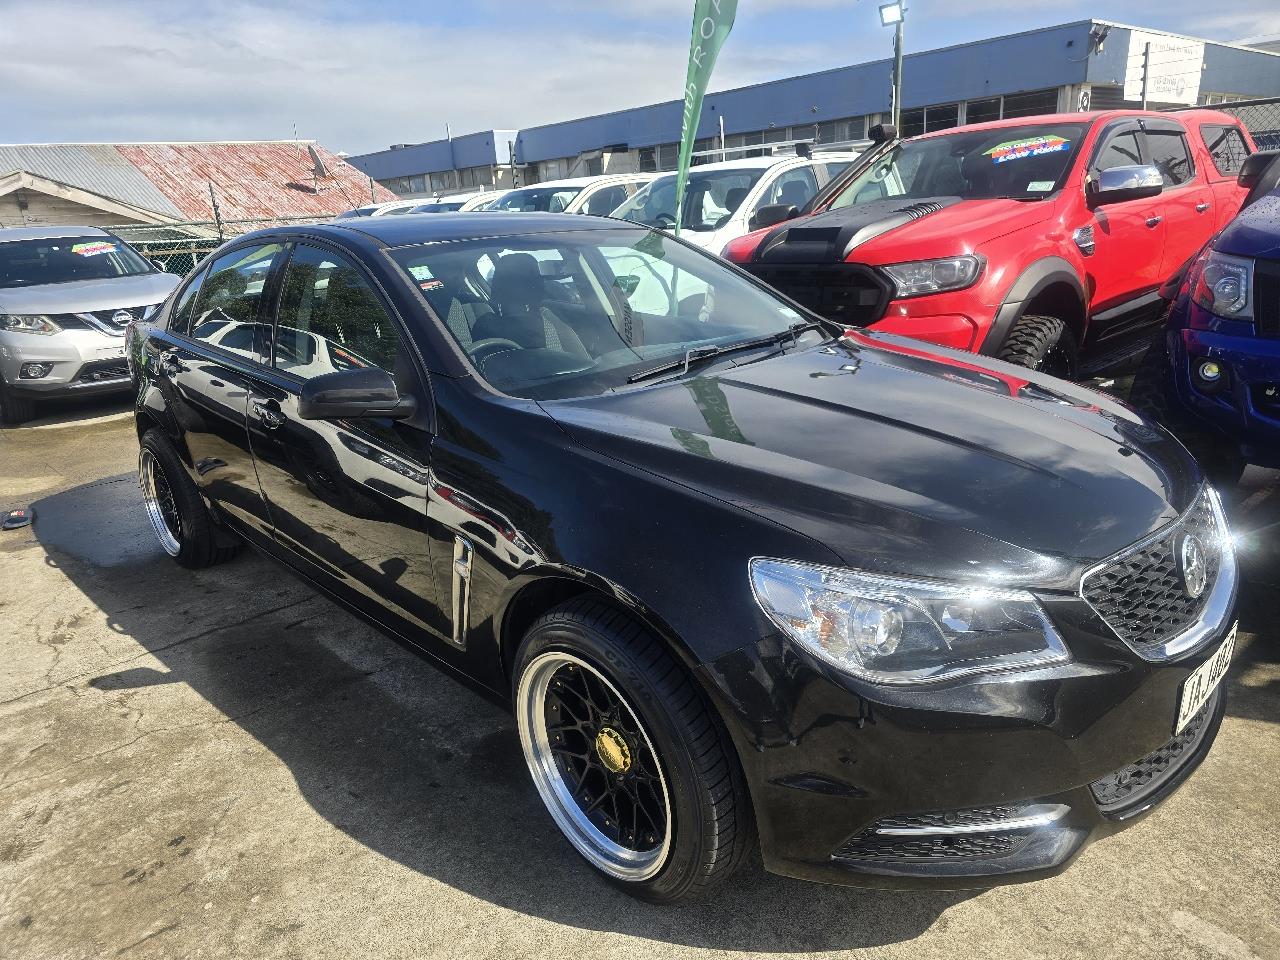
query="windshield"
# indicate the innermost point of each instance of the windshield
(574, 314)
(710, 199)
(439, 207)
(30, 263)
(1026, 163)
(537, 199)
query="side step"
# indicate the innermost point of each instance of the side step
(1117, 362)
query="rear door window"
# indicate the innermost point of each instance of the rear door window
(604, 201)
(1227, 146)
(228, 307)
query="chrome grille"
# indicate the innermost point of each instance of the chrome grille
(1141, 592)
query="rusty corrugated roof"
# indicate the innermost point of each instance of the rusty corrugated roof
(251, 180)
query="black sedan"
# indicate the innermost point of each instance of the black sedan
(895, 615)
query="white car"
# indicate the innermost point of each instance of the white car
(481, 201)
(381, 209)
(593, 195)
(722, 199)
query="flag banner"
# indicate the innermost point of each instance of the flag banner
(712, 21)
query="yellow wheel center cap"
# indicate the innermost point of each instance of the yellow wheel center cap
(613, 750)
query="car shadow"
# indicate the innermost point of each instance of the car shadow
(405, 760)
(59, 411)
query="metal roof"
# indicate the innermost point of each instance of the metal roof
(95, 168)
(48, 233)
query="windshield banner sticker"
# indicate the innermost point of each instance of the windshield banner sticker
(1030, 147)
(92, 249)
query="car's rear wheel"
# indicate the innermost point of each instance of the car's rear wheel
(1045, 344)
(178, 515)
(15, 408)
(629, 758)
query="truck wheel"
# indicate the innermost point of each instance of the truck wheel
(1041, 343)
(14, 408)
(1151, 394)
(631, 761)
(177, 513)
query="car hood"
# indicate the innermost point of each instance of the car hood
(84, 296)
(894, 230)
(1255, 232)
(907, 458)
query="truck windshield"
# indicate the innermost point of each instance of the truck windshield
(1025, 163)
(537, 199)
(710, 199)
(31, 263)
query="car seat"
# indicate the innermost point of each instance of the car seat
(795, 193)
(523, 316)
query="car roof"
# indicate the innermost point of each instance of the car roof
(427, 227)
(49, 233)
(1091, 116)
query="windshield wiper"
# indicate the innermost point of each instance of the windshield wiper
(695, 354)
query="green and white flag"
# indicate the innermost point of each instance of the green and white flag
(712, 21)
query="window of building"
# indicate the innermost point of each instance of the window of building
(1031, 103)
(981, 111)
(1169, 153)
(942, 117)
(1227, 147)
(647, 160)
(418, 184)
(595, 166)
(911, 122)
(668, 156)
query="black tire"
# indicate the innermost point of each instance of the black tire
(196, 542)
(1151, 394)
(712, 826)
(1041, 343)
(14, 407)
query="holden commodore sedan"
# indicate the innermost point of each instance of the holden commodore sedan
(890, 614)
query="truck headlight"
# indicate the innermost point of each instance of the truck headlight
(919, 277)
(898, 630)
(28, 323)
(1223, 286)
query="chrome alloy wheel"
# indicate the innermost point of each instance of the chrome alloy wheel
(162, 509)
(594, 766)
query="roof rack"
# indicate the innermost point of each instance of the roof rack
(842, 146)
(801, 148)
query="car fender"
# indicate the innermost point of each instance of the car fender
(1032, 281)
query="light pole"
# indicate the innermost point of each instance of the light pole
(892, 15)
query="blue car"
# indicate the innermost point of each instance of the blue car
(1214, 380)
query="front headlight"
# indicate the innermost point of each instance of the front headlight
(899, 630)
(1224, 285)
(919, 277)
(28, 323)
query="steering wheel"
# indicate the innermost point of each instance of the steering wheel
(664, 220)
(482, 350)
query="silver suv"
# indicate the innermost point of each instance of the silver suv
(66, 296)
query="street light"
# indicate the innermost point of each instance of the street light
(892, 15)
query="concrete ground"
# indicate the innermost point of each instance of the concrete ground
(223, 764)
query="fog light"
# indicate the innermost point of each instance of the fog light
(34, 371)
(1210, 372)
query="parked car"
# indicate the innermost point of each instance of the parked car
(1214, 378)
(592, 195)
(66, 296)
(450, 204)
(391, 207)
(481, 201)
(722, 200)
(915, 617)
(1042, 241)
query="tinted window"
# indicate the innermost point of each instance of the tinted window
(1168, 151)
(603, 202)
(795, 187)
(180, 318)
(330, 318)
(1228, 148)
(30, 263)
(1121, 151)
(227, 310)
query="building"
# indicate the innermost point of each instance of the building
(1090, 64)
(111, 184)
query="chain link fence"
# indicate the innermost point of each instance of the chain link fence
(180, 246)
(1260, 117)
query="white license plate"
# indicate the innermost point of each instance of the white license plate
(110, 353)
(1199, 687)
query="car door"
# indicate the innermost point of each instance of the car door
(1226, 147)
(218, 336)
(1187, 201)
(347, 497)
(1123, 270)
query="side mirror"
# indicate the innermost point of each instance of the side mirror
(1130, 182)
(160, 265)
(362, 392)
(1254, 166)
(772, 213)
(627, 283)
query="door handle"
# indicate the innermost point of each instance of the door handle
(1154, 221)
(268, 413)
(171, 366)
(1202, 207)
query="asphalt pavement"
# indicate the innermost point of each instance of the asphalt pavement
(224, 764)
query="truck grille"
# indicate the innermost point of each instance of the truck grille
(1266, 297)
(1141, 592)
(848, 293)
(1129, 787)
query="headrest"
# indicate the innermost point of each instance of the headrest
(517, 281)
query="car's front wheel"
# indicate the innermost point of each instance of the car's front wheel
(629, 758)
(178, 515)
(1041, 343)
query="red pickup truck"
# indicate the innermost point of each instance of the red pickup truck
(1043, 241)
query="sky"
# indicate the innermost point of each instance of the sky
(360, 75)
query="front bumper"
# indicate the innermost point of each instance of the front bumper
(1241, 408)
(864, 785)
(83, 361)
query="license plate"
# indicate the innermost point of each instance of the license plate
(1199, 687)
(111, 353)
